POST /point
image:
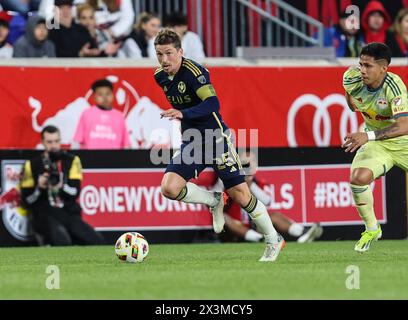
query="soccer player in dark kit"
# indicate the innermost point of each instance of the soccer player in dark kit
(188, 88)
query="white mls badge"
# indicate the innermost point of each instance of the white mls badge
(202, 79)
(398, 101)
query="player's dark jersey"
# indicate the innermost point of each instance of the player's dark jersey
(191, 92)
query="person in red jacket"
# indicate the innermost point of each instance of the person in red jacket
(375, 23)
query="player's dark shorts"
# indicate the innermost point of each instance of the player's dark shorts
(192, 158)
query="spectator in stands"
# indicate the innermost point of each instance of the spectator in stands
(71, 39)
(101, 126)
(50, 186)
(102, 39)
(399, 42)
(47, 8)
(6, 49)
(35, 43)
(17, 26)
(20, 6)
(375, 22)
(115, 16)
(140, 43)
(190, 41)
(346, 41)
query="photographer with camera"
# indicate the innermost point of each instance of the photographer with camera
(50, 185)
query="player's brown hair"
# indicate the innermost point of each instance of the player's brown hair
(168, 36)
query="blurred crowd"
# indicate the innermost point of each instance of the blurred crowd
(86, 28)
(374, 25)
(109, 28)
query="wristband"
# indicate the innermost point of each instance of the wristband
(371, 135)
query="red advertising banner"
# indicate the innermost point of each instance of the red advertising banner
(123, 199)
(318, 193)
(290, 106)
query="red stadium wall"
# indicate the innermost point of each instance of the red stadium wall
(290, 106)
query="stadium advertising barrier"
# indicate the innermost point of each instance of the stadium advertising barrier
(111, 200)
(121, 192)
(290, 106)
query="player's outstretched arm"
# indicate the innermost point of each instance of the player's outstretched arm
(353, 141)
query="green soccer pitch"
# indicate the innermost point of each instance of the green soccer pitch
(209, 271)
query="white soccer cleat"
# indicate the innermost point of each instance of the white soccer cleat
(218, 212)
(272, 250)
(315, 232)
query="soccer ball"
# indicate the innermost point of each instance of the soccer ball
(132, 247)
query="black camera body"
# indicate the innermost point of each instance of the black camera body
(51, 167)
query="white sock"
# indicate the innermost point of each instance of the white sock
(257, 211)
(192, 193)
(296, 229)
(253, 236)
(372, 228)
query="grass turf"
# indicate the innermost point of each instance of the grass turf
(208, 271)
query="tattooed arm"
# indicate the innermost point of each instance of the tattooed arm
(399, 128)
(353, 141)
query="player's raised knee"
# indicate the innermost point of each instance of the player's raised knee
(167, 190)
(361, 177)
(170, 190)
(171, 185)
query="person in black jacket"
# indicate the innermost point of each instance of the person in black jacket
(50, 186)
(70, 38)
(140, 43)
(35, 43)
